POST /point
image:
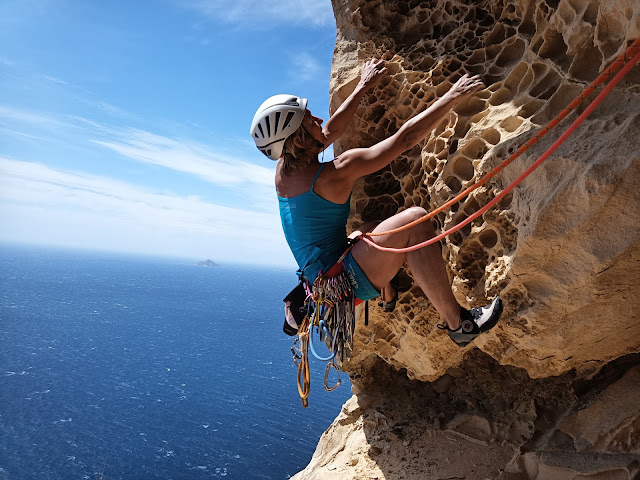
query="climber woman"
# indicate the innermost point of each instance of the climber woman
(314, 198)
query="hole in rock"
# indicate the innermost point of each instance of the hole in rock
(379, 209)
(535, 46)
(511, 54)
(555, 49)
(550, 80)
(503, 95)
(505, 203)
(530, 108)
(463, 168)
(488, 238)
(587, 63)
(454, 184)
(497, 36)
(511, 124)
(453, 146)
(493, 51)
(515, 77)
(471, 206)
(471, 107)
(476, 148)
(591, 13)
(552, 3)
(456, 238)
(491, 135)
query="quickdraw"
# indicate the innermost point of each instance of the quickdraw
(300, 352)
(331, 315)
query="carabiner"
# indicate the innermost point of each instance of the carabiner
(326, 377)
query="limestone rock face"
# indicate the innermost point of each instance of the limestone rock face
(529, 399)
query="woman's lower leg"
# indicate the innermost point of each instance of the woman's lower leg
(428, 268)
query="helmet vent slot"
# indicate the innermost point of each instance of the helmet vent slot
(287, 120)
(261, 131)
(275, 127)
(268, 122)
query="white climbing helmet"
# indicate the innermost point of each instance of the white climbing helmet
(275, 121)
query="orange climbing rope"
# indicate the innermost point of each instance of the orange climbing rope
(526, 173)
(605, 75)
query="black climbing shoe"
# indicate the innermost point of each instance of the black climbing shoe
(391, 305)
(474, 322)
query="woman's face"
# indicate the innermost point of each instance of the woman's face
(313, 125)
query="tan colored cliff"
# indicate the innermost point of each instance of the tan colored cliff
(553, 392)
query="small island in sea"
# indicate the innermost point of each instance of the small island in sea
(207, 263)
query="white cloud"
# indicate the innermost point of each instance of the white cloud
(26, 116)
(40, 204)
(6, 62)
(52, 79)
(180, 155)
(305, 67)
(266, 13)
(185, 156)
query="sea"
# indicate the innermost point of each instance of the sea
(130, 367)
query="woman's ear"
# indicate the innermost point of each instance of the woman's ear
(297, 142)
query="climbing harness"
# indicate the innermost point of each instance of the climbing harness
(331, 317)
(631, 56)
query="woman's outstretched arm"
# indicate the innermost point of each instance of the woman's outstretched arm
(372, 72)
(357, 162)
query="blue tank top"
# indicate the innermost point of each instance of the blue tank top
(315, 229)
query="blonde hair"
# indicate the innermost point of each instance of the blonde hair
(295, 157)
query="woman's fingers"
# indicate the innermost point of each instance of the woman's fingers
(468, 84)
(373, 71)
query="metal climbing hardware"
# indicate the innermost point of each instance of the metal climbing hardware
(331, 318)
(330, 365)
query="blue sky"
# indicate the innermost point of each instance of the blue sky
(124, 125)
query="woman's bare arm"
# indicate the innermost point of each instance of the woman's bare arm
(372, 72)
(357, 162)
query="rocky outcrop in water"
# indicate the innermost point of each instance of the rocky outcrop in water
(554, 391)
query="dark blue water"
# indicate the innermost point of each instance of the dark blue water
(139, 368)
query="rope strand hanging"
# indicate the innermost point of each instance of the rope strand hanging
(603, 77)
(616, 79)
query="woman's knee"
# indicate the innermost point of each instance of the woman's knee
(413, 213)
(424, 229)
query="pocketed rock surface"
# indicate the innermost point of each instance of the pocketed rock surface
(553, 391)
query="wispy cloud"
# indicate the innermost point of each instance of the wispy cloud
(6, 62)
(52, 79)
(180, 155)
(305, 67)
(49, 203)
(185, 156)
(27, 116)
(266, 13)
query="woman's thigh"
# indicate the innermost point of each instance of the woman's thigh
(380, 267)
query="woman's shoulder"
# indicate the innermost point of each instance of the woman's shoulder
(296, 183)
(332, 184)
